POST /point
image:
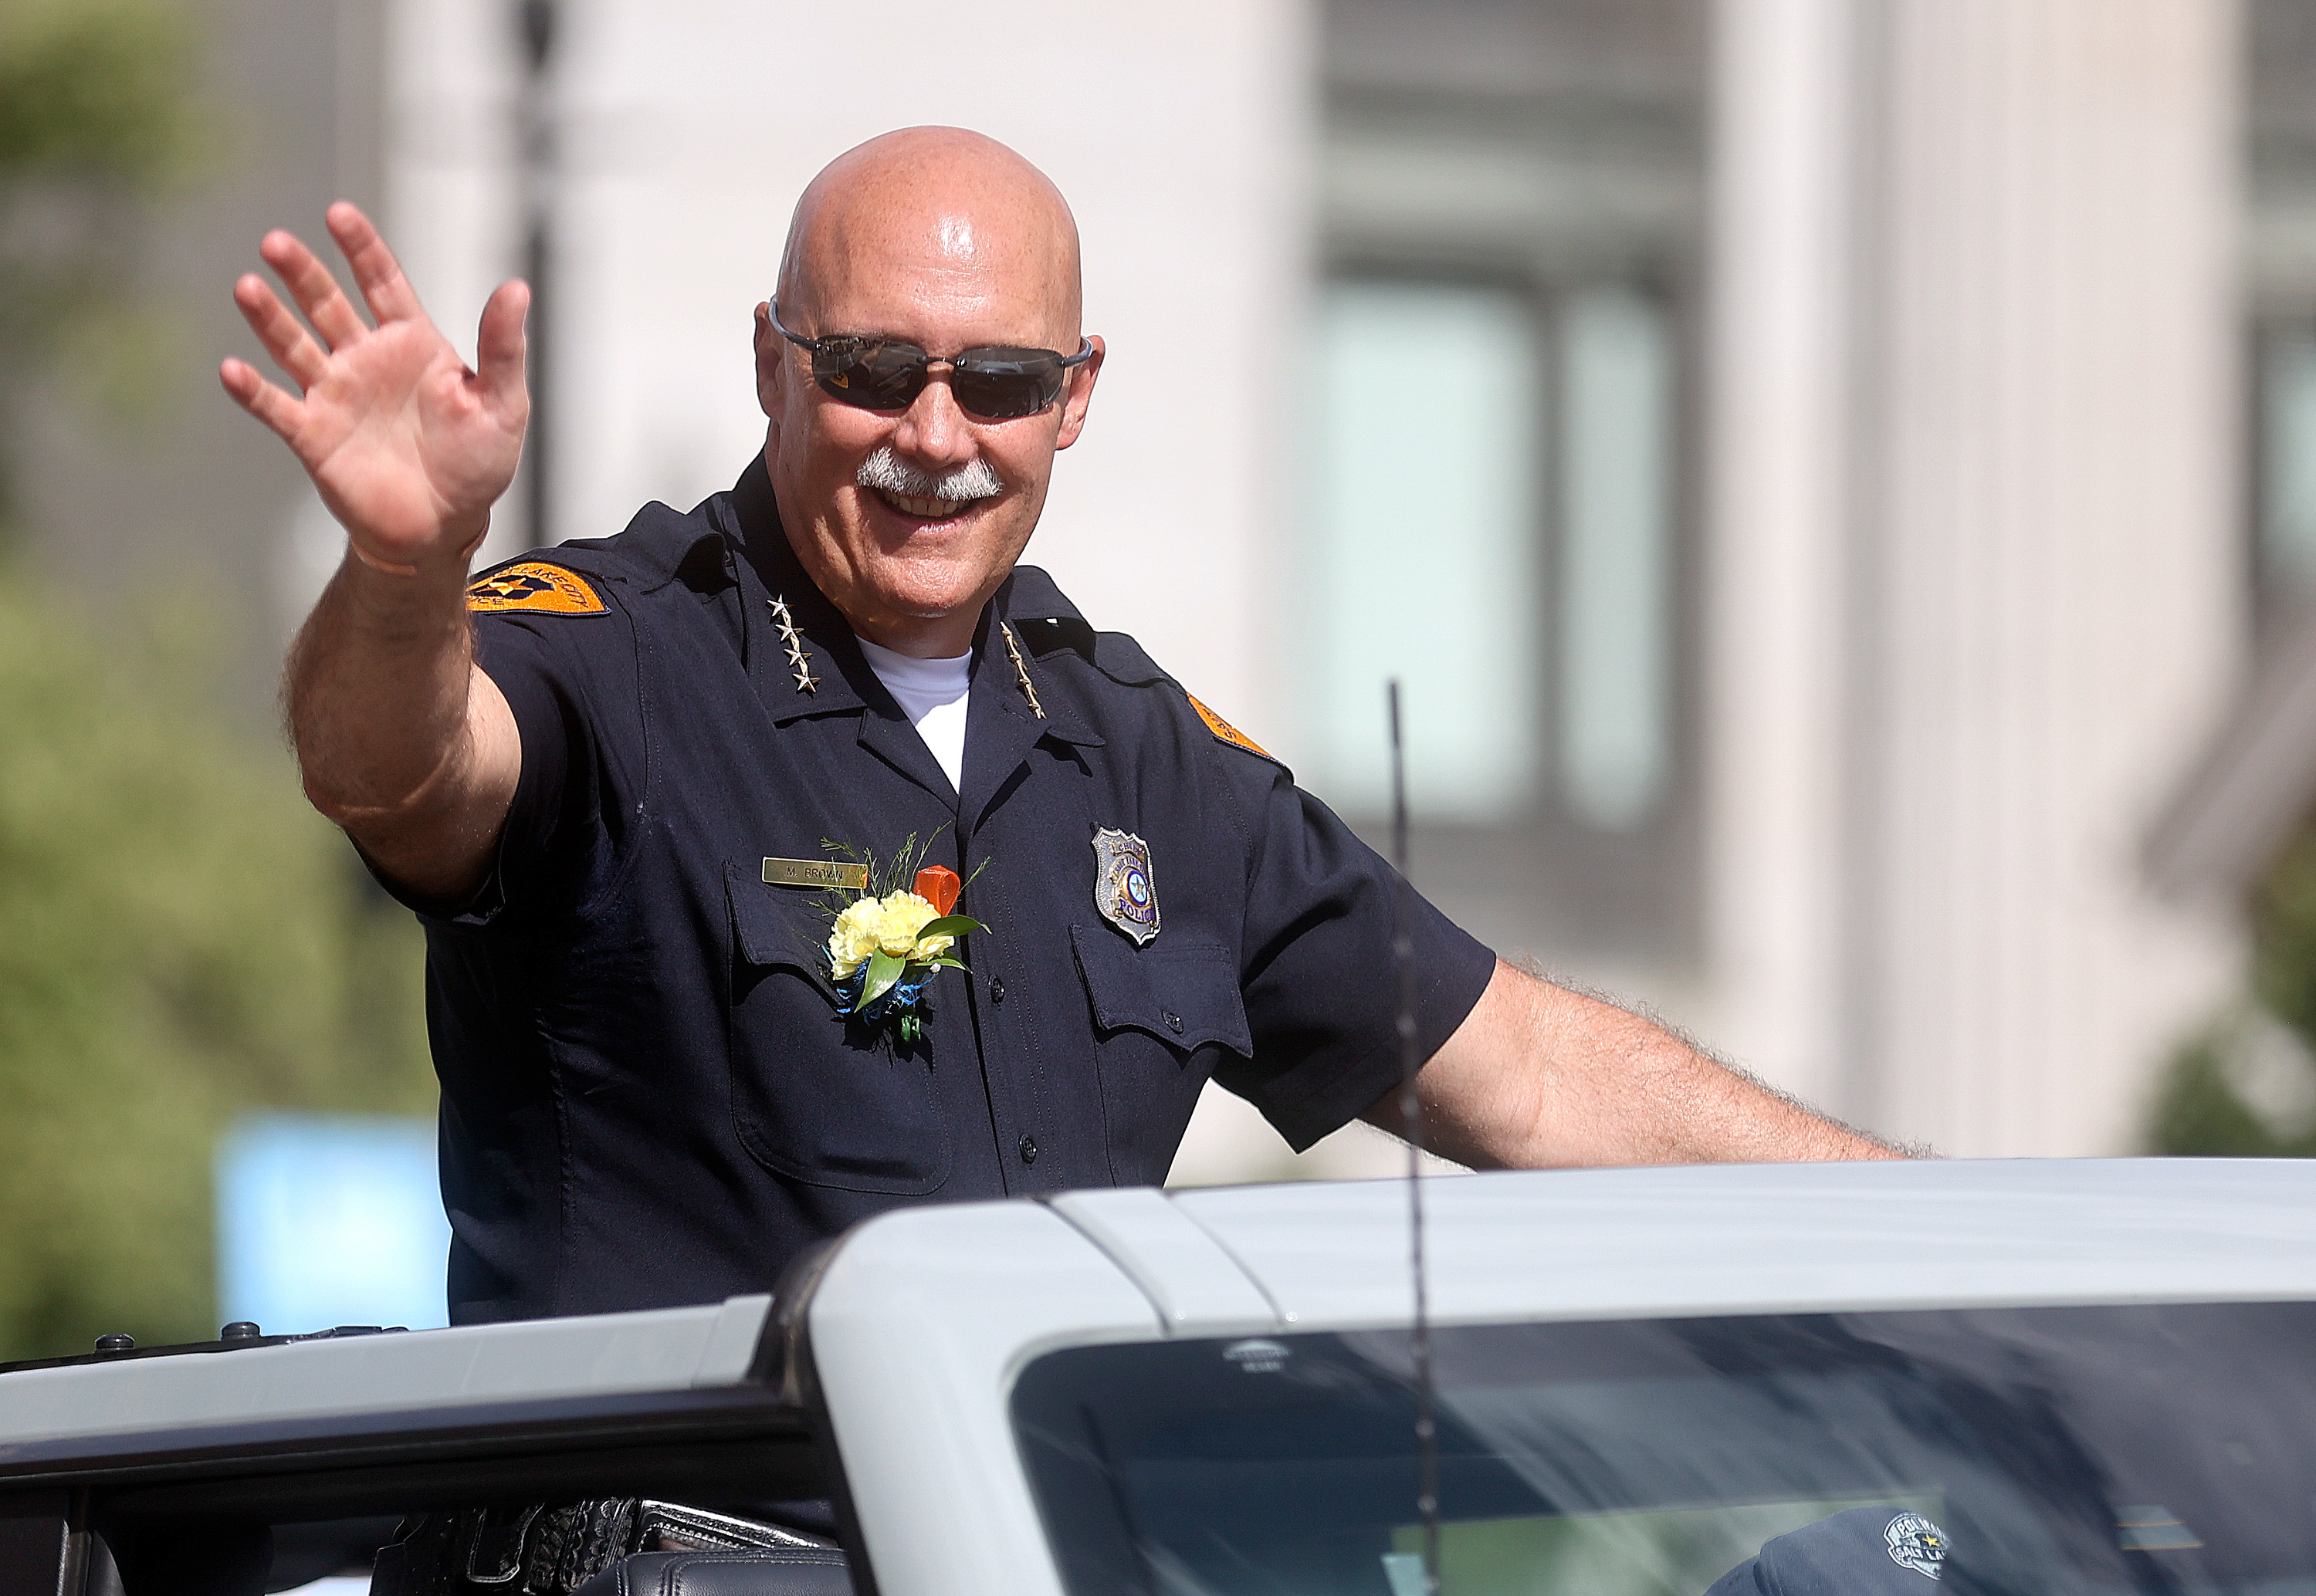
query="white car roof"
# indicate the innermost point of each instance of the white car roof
(920, 1322)
(925, 1317)
(1770, 1238)
(931, 1305)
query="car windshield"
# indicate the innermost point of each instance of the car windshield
(2164, 1449)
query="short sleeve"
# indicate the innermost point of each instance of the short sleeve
(1320, 983)
(551, 822)
(547, 691)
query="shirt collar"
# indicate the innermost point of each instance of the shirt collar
(799, 648)
(1028, 604)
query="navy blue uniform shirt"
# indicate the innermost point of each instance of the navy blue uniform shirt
(648, 1095)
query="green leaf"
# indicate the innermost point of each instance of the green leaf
(884, 970)
(945, 962)
(950, 926)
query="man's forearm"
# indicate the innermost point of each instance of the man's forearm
(1538, 1076)
(376, 688)
(399, 739)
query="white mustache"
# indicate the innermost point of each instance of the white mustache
(884, 472)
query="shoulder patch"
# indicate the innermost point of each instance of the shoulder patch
(536, 587)
(1229, 733)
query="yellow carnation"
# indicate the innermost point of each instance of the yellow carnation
(887, 925)
(853, 938)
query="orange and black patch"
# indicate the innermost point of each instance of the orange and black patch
(535, 587)
(1229, 733)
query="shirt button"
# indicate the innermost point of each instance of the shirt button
(997, 989)
(1028, 1149)
(1174, 1021)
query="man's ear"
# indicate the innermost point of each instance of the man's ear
(1078, 395)
(772, 358)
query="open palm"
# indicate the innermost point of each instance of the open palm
(407, 446)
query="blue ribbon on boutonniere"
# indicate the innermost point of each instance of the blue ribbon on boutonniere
(887, 942)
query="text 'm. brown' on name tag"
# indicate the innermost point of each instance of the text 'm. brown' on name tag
(816, 873)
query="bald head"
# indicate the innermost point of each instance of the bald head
(934, 213)
(908, 517)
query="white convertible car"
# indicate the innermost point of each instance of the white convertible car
(2029, 1377)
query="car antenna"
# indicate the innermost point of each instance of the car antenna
(1411, 1110)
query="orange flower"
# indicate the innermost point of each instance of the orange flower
(938, 885)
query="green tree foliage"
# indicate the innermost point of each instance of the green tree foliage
(93, 90)
(2284, 919)
(2245, 1086)
(96, 115)
(181, 938)
(2202, 1112)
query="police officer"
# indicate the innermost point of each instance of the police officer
(627, 783)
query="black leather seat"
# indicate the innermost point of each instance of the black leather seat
(801, 1571)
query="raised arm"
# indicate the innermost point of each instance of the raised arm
(1537, 1076)
(401, 739)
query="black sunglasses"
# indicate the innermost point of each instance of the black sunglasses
(995, 383)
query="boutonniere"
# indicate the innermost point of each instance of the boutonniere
(886, 941)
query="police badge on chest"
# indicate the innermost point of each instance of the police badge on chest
(1122, 891)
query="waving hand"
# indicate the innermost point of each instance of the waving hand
(406, 445)
(401, 736)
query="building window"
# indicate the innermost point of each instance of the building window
(1511, 211)
(1429, 565)
(2279, 256)
(1615, 497)
(2284, 556)
(1494, 520)
(1438, 563)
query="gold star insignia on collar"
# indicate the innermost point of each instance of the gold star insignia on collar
(1021, 670)
(799, 661)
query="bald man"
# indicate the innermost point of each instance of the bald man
(607, 776)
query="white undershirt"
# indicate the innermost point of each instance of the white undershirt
(932, 693)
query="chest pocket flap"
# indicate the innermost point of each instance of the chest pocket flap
(812, 1098)
(1184, 994)
(776, 926)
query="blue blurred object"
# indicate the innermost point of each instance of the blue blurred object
(330, 1219)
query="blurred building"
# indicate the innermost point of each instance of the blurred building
(1994, 509)
(1823, 469)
